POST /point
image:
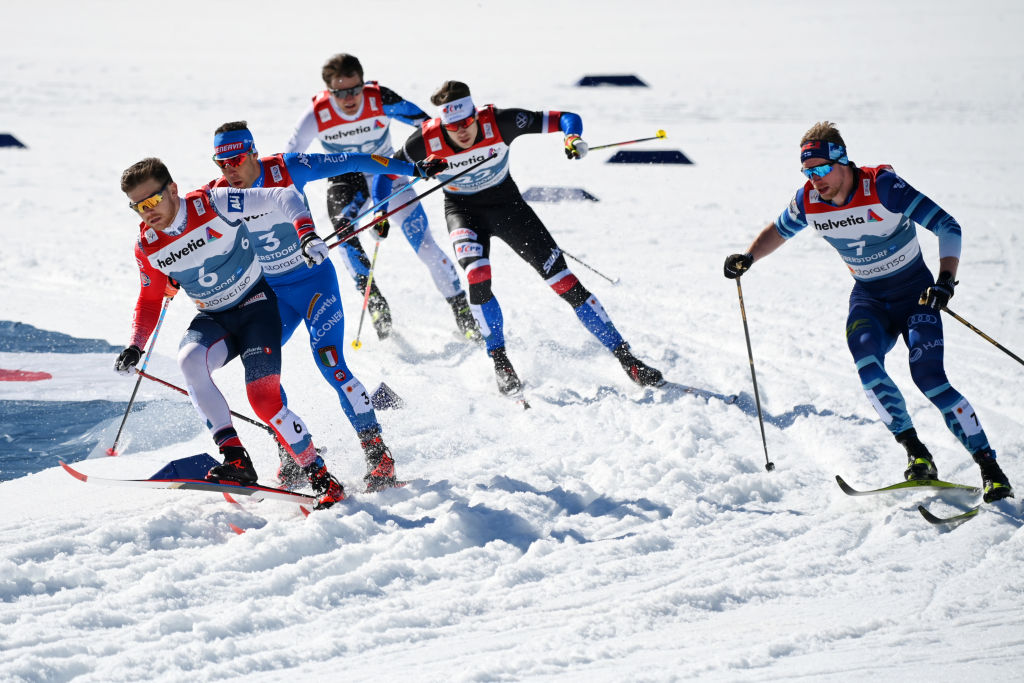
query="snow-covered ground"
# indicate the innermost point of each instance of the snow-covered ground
(611, 532)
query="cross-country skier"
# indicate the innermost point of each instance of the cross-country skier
(355, 116)
(486, 203)
(304, 294)
(868, 214)
(200, 242)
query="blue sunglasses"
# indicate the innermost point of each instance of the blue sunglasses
(818, 171)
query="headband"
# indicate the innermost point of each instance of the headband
(820, 149)
(232, 143)
(456, 110)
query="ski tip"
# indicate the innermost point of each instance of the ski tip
(237, 529)
(73, 472)
(847, 489)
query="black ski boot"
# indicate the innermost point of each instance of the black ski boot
(467, 324)
(380, 466)
(638, 371)
(377, 307)
(289, 474)
(920, 466)
(328, 489)
(508, 380)
(237, 467)
(994, 483)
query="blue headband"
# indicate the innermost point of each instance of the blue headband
(232, 143)
(819, 149)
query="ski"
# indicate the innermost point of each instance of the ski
(170, 478)
(705, 394)
(955, 520)
(913, 483)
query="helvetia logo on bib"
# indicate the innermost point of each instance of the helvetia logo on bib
(212, 234)
(873, 217)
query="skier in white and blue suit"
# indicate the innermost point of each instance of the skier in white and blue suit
(868, 214)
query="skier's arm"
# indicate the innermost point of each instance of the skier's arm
(898, 196)
(306, 167)
(403, 110)
(153, 287)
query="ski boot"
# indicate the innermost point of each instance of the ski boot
(328, 489)
(994, 483)
(638, 371)
(380, 312)
(237, 467)
(380, 466)
(508, 380)
(289, 474)
(468, 326)
(920, 466)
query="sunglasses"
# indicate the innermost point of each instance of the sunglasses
(818, 171)
(342, 93)
(233, 162)
(149, 202)
(464, 123)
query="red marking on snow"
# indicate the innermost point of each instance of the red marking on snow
(23, 376)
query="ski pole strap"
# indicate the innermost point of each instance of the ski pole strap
(405, 204)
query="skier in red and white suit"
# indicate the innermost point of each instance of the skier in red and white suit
(201, 243)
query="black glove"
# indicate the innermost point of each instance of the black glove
(939, 294)
(737, 264)
(431, 166)
(381, 229)
(128, 359)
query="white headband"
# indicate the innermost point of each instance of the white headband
(457, 110)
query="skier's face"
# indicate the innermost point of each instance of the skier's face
(830, 184)
(156, 204)
(347, 92)
(463, 136)
(244, 173)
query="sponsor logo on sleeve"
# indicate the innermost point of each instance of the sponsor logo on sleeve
(383, 161)
(521, 120)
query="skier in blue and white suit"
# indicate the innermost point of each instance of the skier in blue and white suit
(868, 214)
(307, 294)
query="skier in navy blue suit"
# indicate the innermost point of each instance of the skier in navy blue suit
(868, 214)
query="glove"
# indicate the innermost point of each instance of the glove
(575, 148)
(128, 359)
(938, 295)
(313, 249)
(431, 166)
(381, 229)
(737, 264)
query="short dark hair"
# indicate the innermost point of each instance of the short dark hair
(449, 92)
(230, 126)
(341, 64)
(141, 171)
(823, 131)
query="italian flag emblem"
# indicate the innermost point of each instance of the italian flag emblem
(328, 356)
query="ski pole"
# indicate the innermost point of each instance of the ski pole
(356, 344)
(145, 361)
(412, 201)
(595, 270)
(768, 464)
(661, 134)
(143, 373)
(384, 201)
(986, 337)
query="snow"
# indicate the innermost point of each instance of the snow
(611, 532)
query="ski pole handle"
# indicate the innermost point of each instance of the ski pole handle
(661, 134)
